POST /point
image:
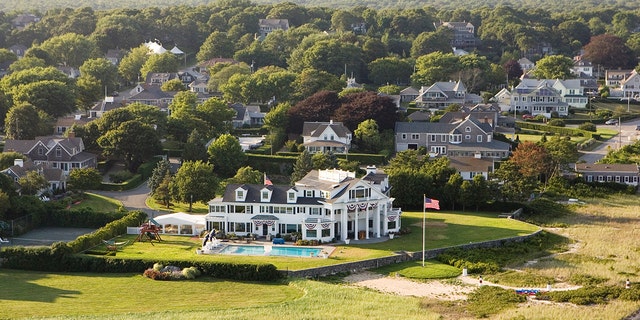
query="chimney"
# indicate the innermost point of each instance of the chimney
(330, 121)
(18, 162)
(371, 170)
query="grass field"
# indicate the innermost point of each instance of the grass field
(444, 229)
(98, 203)
(605, 231)
(198, 207)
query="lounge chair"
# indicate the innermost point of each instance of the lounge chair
(114, 246)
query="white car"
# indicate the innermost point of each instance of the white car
(611, 122)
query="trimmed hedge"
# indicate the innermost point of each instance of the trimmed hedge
(363, 158)
(558, 130)
(127, 185)
(81, 218)
(109, 231)
(58, 258)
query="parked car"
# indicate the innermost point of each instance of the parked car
(611, 122)
(638, 127)
(527, 117)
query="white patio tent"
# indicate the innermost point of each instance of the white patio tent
(181, 223)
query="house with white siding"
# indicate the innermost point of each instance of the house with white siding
(325, 205)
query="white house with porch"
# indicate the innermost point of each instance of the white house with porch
(325, 205)
(326, 136)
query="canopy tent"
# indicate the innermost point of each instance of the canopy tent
(176, 50)
(181, 223)
(155, 47)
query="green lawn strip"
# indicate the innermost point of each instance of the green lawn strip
(227, 301)
(98, 203)
(413, 269)
(34, 294)
(198, 207)
(443, 229)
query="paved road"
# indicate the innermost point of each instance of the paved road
(628, 134)
(135, 199)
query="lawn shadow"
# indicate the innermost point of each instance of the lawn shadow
(21, 287)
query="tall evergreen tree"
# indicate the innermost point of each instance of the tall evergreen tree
(303, 165)
(194, 149)
(159, 172)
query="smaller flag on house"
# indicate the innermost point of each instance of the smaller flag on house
(267, 181)
(431, 204)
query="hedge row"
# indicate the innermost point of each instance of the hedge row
(58, 258)
(80, 218)
(558, 130)
(363, 158)
(135, 181)
(109, 231)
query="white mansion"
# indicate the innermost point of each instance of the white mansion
(324, 205)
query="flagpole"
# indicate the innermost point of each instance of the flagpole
(424, 224)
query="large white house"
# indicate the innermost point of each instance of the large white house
(325, 205)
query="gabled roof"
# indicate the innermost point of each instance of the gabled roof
(471, 164)
(315, 129)
(608, 167)
(274, 23)
(410, 91)
(278, 194)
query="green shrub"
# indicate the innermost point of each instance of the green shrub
(588, 126)
(190, 273)
(556, 123)
(488, 300)
(586, 280)
(120, 176)
(583, 296)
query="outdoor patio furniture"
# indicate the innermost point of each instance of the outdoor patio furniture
(278, 240)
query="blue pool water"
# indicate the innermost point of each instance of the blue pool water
(275, 251)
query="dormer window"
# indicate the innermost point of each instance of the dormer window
(291, 196)
(240, 195)
(265, 195)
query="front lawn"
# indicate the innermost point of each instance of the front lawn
(97, 203)
(444, 229)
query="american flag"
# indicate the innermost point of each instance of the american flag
(267, 181)
(431, 203)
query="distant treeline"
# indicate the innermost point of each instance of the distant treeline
(550, 5)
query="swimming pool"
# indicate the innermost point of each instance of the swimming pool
(271, 251)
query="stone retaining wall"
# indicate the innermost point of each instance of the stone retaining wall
(397, 258)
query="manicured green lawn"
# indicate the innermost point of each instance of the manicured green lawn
(98, 203)
(35, 294)
(414, 269)
(93, 296)
(444, 229)
(198, 207)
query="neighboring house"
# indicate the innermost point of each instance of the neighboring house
(199, 86)
(266, 26)
(539, 97)
(466, 138)
(419, 116)
(601, 172)
(154, 96)
(71, 72)
(463, 34)
(65, 123)
(442, 94)
(55, 177)
(582, 67)
(526, 65)
(107, 104)
(19, 50)
(325, 205)
(159, 78)
(469, 167)
(115, 56)
(21, 21)
(247, 116)
(359, 27)
(54, 152)
(326, 136)
(631, 86)
(204, 66)
(409, 94)
(613, 78)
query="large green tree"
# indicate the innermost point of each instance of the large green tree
(163, 167)
(53, 97)
(82, 179)
(303, 165)
(133, 141)
(24, 122)
(70, 49)
(194, 182)
(226, 154)
(554, 67)
(166, 62)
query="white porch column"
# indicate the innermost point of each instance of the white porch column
(385, 217)
(366, 223)
(376, 221)
(355, 225)
(344, 218)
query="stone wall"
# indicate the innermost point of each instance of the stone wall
(352, 267)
